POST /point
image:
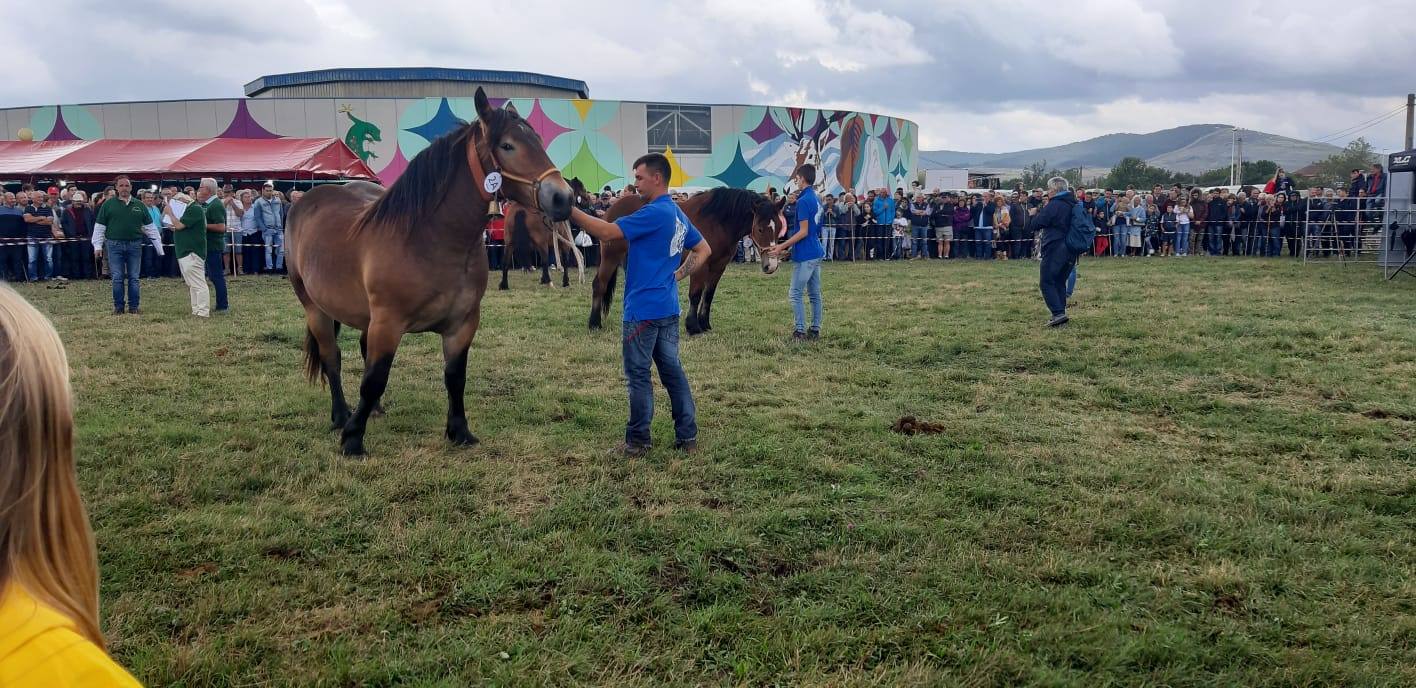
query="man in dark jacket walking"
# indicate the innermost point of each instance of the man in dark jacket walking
(1057, 260)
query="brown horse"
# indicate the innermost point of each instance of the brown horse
(724, 216)
(412, 258)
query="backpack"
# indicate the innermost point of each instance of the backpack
(1080, 231)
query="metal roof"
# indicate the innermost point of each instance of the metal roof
(415, 74)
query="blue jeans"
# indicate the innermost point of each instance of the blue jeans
(828, 241)
(921, 241)
(1058, 263)
(1118, 240)
(1072, 281)
(216, 272)
(656, 342)
(274, 248)
(984, 246)
(806, 277)
(125, 260)
(34, 249)
(1182, 240)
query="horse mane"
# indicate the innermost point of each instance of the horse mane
(411, 203)
(730, 206)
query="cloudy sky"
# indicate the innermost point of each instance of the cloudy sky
(976, 75)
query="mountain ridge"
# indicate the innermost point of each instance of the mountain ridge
(1192, 148)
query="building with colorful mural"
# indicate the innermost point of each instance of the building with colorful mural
(387, 116)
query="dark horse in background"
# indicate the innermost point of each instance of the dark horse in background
(724, 216)
(412, 258)
(520, 247)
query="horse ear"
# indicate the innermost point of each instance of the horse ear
(511, 108)
(483, 105)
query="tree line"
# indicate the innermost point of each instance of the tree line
(1331, 171)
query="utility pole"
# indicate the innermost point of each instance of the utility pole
(1233, 153)
(1410, 118)
(1239, 169)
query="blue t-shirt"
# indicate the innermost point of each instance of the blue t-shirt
(657, 235)
(808, 208)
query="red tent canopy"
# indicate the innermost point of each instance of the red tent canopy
(182, 159)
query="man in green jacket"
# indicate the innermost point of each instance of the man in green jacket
(216, 239)
(189, 241)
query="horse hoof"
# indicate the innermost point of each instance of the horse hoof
(462, 437)
(337, 423)
(353, 448)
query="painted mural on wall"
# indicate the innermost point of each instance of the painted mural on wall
(753, 147)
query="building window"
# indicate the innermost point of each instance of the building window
(685, 128)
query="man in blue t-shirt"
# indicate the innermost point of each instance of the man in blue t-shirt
(806, 237)
(657, 235)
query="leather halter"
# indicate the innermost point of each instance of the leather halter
(479, 174)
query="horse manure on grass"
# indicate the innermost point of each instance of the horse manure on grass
(909, 425)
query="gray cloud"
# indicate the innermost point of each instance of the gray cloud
(981, 76)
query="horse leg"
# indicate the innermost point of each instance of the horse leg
(597, 294)
(322, 346)
(505, 264)
(364, 354)
(455, 348)
(545, 270)
(703, 318)
(695, 295)
(383, 341)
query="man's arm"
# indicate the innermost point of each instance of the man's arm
(801, 233)
(697, 256)
(604, 231)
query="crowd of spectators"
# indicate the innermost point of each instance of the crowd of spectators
(1175, 221)
(44, 232)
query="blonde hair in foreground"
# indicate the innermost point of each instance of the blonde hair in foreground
(46, 545)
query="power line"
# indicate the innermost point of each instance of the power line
(1361, 126)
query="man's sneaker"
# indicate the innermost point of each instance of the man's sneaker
(1058, 320)
(688, 447)
(117, 311)
(813, 333)
(799, 336)
(629, 451)
(135, 311)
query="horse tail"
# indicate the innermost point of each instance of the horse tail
(314, 369)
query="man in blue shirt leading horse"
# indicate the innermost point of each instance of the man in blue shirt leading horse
(657, 234)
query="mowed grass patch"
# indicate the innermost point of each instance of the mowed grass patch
(1206, 479)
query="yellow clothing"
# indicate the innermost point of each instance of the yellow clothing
(41, 648)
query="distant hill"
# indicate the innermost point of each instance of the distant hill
(1193, 148)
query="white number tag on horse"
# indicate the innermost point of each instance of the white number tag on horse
(492, 183)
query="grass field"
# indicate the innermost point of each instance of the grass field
(1209, 478)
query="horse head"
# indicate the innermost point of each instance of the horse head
(505, 143)
(768, 226)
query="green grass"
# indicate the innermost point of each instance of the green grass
(1208, 479)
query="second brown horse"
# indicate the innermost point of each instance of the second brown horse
(723, 216)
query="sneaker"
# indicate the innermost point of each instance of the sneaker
(813, 333)
(135, 311)
(629, 451)
(687, 447)
(1058, 320)
(117, 311)
(799, 336)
